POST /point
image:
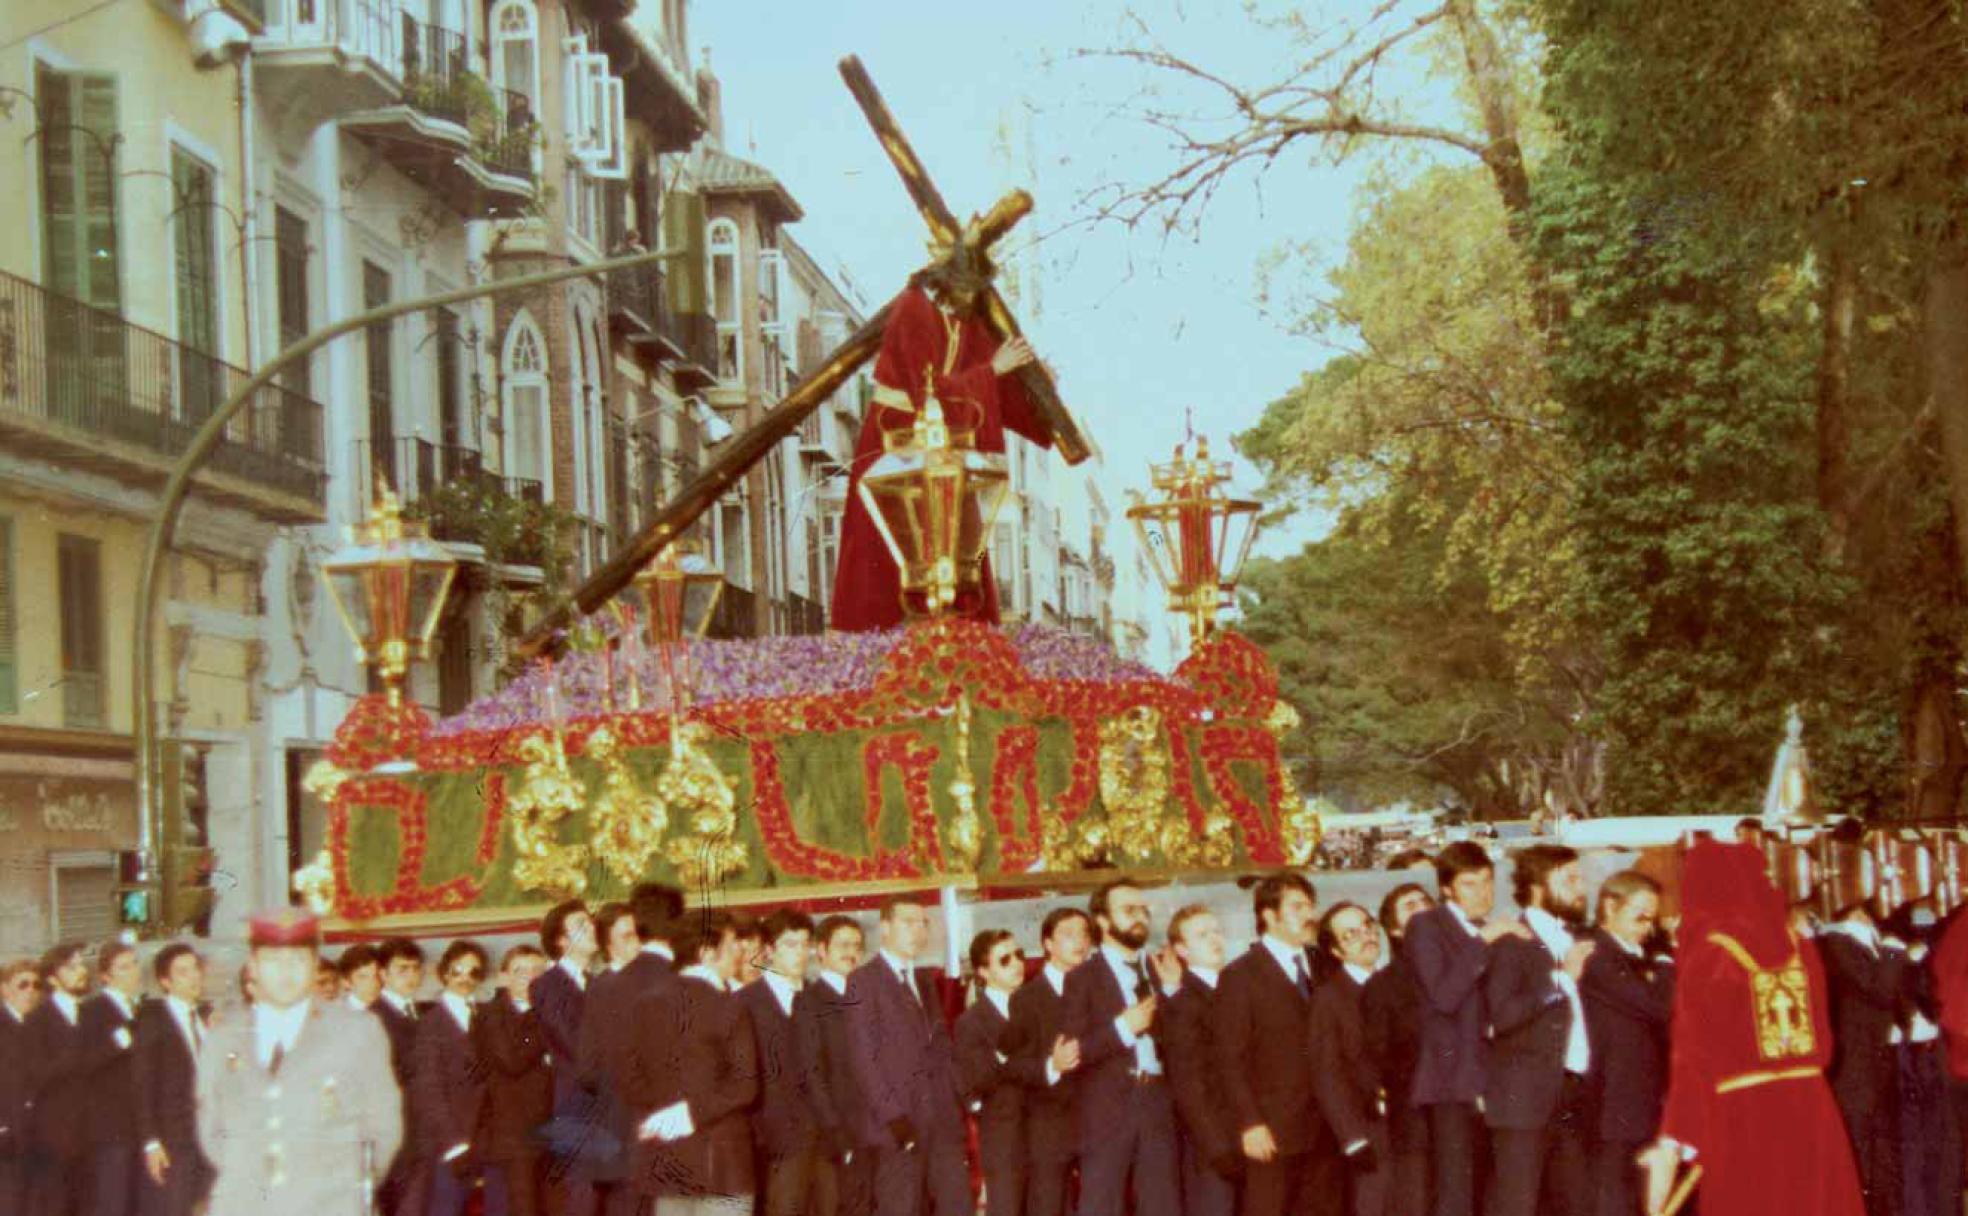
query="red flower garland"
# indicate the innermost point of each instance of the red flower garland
(1232, 675)
(1225, 745)
(915, 758)
(375, 732)
(1015, 774)
(413, 825)
(791, 855)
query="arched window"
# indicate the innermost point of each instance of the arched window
(723, 245)
(523, 384)
(515, 32)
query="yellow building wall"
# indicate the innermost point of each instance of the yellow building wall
(219, 672)
(160, 96)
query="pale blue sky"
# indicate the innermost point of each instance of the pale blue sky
(1138, 328)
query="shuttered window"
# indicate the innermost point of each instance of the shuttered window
(290, 268)
(85, 897)
(79, 571)
(196, 272)
(377, 346)
(9, 656)
(78, 185)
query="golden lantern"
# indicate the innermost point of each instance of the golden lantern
(680, 590)
(389, 585)
(1196, 536)
(935, 498)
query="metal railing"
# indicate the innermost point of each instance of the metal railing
(415, 468)
(89, 372)
(696, 334)
(508, 149)
(640, 295)
(437, 79)
(734, 616)
(804, 617)
(360, 29)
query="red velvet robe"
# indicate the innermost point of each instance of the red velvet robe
(1757, 1110)
(918, 340)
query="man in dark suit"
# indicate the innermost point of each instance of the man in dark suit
(450, 1100)
(1449, 947)
(61, 1082)
(361, 970)
(20, 992)
(511, 1049)
(170, 1038)
(401, 962)
(691, 1073)
(1352, 1098)
(798, 1175)
(1391, 1010)
(1127, 1117)
(109, 1030)
(1868, 986)
(646, 968)
(1629, 1005)
(1049, 1062)
(1263, 1020)
(988, 1073)
(905, 1066)
(1212, 1157)
(559, 997)
(1534, 1095)
(826, 1057)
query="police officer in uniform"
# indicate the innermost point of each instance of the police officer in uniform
(297, 1106)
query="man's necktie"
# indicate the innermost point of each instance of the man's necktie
(1302, 975)
(273, 1061)
(197, 1037)
(1142, 988)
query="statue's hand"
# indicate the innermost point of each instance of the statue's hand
(1011, 356)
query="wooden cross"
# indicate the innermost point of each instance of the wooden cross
(737, 455)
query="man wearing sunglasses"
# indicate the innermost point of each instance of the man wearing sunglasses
(20, 992)
(450, 1087)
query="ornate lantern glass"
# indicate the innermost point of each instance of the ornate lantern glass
(680, 590)
(935, 498)
(389, 585)
(1196, 536)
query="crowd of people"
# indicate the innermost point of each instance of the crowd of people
(1424, 1056)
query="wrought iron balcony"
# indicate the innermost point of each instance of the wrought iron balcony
(638, 304)
(331, 56)
(82, 386)
(695, 337)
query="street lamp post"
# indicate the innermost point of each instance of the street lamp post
(178, 486)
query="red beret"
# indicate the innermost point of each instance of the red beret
(284, 927)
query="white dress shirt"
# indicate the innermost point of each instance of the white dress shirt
(1207, 975)
(186, 1017)
(1146, 1061)
(1462, 918)
(1558, 939)
(1291, 959)
(459, 1008)
(783, 991)
(574, 971)
(277, 1027)
(905, 972)
(402, 1004)
(1360, 974)
(1003, 1001)
(1056, 978)
(65, 1004)
(834, 980)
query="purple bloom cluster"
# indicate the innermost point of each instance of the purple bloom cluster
(750, 669)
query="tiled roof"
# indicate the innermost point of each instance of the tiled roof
(723, 173)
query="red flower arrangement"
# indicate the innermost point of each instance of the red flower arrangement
(791, 855)
(1231, 674)
(1015, 775)
(375, 732)
(413, 828)
(1223, 746)
(915, 758)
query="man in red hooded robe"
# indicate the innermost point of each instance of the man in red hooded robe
(937, 343)
(1746, 1090)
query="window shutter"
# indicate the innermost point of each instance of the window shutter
(78, 180)
(683, 229)
(9, 660)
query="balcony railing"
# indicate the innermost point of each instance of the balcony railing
(414, 468)
(436, 73)
(734, 616)
(359, 29)
(508, 147)
(696, 335)
(94, 375)
(804, 617)
(639, 297)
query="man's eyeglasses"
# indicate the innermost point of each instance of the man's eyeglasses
(468, 973)
(1007, 958)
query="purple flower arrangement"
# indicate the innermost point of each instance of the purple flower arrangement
(584, 683)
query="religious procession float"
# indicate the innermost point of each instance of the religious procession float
(919, 744)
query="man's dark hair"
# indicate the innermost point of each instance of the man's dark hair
(1103, 895)
(1179, 923)
(980, 951)
(393, 948)
(782, 922)
(833, 926)
(111, 951)
(1462, 857)
(1328, 936)
(1749, 823)
(657, 907)
(704, 931)
(1269, 893)
(553, 926)
(1387, 907)
(355, 958)
(160, 967)
(605, 918)
(889, 905)
(1533, 866)
(58, 957)
(462, 948)
(1059, 916)
(522, 950)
